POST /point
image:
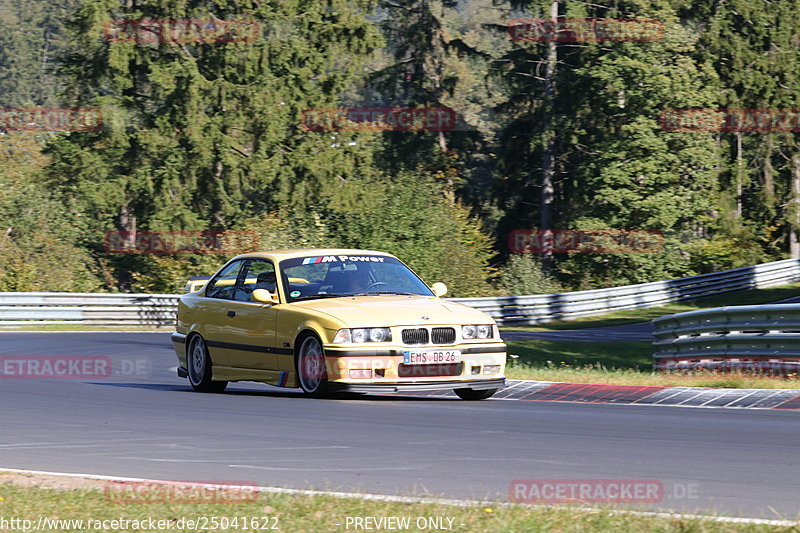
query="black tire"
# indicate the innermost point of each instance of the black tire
(309, 363)
(473, 394)
(198, 363)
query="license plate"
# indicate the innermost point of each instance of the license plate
(431, 357)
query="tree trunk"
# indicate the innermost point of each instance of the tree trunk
(548, 155)
(794, 217)
(126, 223)
(739, 174)
(769, 178)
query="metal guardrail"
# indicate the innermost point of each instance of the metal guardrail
(159, 309)
(123, 309)
(765, 337)
(540, 308)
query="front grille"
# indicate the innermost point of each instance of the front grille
(427, 371)
(415, 336)
(443, 335)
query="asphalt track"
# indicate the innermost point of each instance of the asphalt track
(144, 422)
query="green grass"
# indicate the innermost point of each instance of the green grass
(611, 354)
(306, 513)
(632, 316)
(618, 363)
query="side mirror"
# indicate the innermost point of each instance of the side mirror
(263, 296)
(439, 289)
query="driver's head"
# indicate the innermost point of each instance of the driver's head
(355, 278)
(266, 280)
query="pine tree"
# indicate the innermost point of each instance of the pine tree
(614, 165)
(32, 34)
(207, 134)
(753, 47)
(423, 73)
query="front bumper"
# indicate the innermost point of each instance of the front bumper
(482, 384)
(385, 365)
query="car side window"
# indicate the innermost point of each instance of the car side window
(224, 283)
(258, 274)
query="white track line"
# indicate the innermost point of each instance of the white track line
(412, 499)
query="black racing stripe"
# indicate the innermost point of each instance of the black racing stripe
(485, 349)
(377, 353)
(180, 338)
(250, 347)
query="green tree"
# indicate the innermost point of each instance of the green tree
(32, 34)
(39, 236)
(205, 135)
(614, 165)
(753, 48)
(425, 70)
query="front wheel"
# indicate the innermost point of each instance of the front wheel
(310, 366)
(198, 362)
(472, 394)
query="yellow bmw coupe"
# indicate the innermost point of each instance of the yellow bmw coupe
(331, 320)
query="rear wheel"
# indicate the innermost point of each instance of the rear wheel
(310, 366)
(198, 362)
(472, 394)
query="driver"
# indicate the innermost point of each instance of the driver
(356, 280)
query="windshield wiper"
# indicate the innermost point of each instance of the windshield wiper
(385, 292)
(322, 295)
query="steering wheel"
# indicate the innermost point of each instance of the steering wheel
(376, 284)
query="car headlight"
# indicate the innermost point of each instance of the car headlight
(479, 331)
(484, 331)
(359, 335)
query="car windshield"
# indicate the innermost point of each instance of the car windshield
(330, 276)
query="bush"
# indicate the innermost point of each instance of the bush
(522, 274)
(410, 216)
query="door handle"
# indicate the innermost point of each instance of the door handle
(231, 313)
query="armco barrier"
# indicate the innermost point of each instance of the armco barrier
(536, 309)
(765, 337)
(122, 309)
(159, 309)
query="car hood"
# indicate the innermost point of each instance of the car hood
(396, 310)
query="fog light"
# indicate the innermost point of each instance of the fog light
(491, 369)
(360, 373)
(476, 370)
(380, 372)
